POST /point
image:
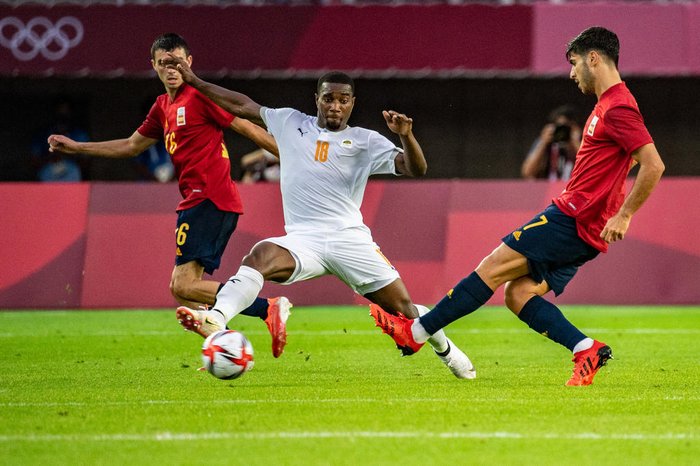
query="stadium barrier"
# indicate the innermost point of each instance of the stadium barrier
(108, 245)
(659, 38)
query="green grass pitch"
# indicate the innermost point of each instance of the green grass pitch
(121, 387)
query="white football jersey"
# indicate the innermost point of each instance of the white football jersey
(324, 173)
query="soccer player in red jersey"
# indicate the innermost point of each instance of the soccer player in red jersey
(591, 213)
(192, 129)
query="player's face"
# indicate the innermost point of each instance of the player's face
(335, 102)
(170, 77)
(581, 73)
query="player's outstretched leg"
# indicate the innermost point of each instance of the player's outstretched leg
(449, 354)
(546, 319)
(278, 311)
(457, 362)
(587, 362)
(274, 312)
(203, 321)
(397, 327)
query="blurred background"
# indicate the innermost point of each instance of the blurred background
(480, 79)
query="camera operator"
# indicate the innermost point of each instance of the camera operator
(553, 153)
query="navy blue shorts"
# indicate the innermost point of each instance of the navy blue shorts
(202, 234)
(552, 246)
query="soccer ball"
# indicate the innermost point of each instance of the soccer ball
(227, 354)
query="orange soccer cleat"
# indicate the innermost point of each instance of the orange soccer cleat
(397, 327)
(587, 363)
(278, 311)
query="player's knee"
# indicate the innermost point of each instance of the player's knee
(273, 262)
(253, 260)
(515, 296)
(261, 255)
(180, 288)
(175, 289)
(488, 270)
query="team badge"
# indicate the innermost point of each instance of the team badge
(181, 116)
(591, 127)
(346, 143)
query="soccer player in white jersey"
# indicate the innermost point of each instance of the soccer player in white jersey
(324, 167)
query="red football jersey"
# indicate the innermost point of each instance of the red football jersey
(192, 128)
(596, 189)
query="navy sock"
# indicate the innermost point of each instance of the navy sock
(545, 318)
(468, 296)
(257, 309)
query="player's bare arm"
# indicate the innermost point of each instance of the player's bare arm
(233, 102)
(651, 167)
(116, 148)
(256, 134)
(412, 162)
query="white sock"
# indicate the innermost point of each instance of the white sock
(239, 292)
(438, 340)
(583, 345)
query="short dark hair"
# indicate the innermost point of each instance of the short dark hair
(169, 42)
(336, 77)
(566, 110)
(595, 38)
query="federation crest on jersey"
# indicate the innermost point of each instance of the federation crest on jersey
(181, 116)
(347, 143)
(591, 127)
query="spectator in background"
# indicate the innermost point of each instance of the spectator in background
(54, 166)
(553, 153)
(260, 166)
(154, 163)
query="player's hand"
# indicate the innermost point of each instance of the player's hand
(575, 135)
(547, 133)
(61, 143)
(616, 228)
(181, 65)
(398, 122)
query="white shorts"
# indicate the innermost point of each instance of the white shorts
(351, 255)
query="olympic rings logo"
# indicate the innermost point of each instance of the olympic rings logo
(40, 35)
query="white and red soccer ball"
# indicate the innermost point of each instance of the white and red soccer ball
(227, 354)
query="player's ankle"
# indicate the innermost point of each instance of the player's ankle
(582, 345)
(218, 316)
(420, 335)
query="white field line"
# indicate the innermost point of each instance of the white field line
(473, 331)
(290, 401)
(196, 436)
